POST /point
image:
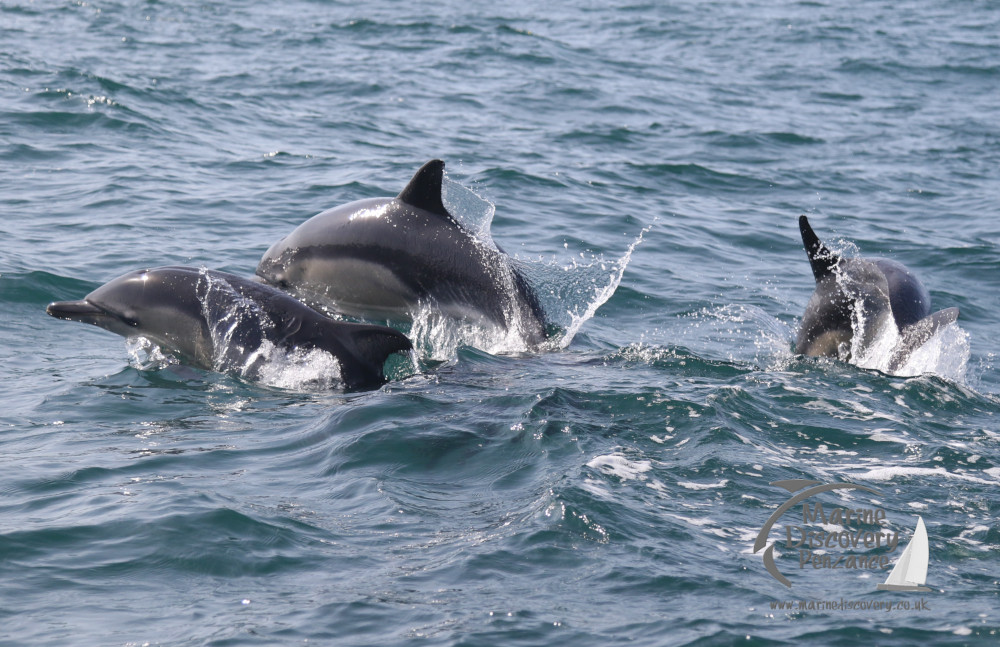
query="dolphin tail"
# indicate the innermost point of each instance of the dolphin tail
(821, 259)
(916, 335)
(372, 345)
(424, 189)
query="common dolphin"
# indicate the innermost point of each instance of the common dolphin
(858, 296)
(222, 322)
(382, 258)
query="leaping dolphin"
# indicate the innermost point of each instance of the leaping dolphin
(221, 322)
(382, 258)
(858, 296)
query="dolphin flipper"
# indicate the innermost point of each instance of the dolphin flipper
(821, 259)
(424, 189)
(916, 335)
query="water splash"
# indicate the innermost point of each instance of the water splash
(748, 333)
(875, 339)
(294, 370)
(245, 350)
(581, 313)
(945, 355)
(469, 209)
(437, 337)
(570, 292)
(145, 355)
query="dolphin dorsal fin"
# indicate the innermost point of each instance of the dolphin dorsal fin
(821, 259)
(424, 189)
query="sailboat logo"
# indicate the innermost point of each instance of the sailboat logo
(910, 572)
(863, 528)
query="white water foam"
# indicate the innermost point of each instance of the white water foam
(946, 354)
(618, 465)
(295, 370)
(899, 471)
(690, 485)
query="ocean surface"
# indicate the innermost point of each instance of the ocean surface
(646, 163)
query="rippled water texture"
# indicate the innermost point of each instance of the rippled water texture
(608, 490)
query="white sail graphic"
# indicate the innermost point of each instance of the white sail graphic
(910, 572)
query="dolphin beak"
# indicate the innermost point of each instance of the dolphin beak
(81, 310)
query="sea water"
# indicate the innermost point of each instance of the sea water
(645, 164)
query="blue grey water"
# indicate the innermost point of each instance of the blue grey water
(605, 491)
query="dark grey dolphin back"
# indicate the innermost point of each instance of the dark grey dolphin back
(842, 287)
(371, 347)
(856, 287)
(908, 297)
(424, 191)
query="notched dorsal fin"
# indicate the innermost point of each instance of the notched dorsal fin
(821, 259)
(424, 189)
(916, 335)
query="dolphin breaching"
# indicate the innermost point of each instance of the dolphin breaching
(395, 259)
(858, 299)
(385, 258)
